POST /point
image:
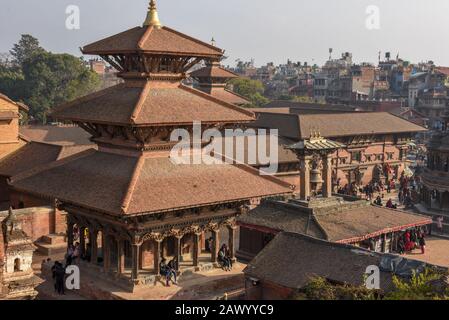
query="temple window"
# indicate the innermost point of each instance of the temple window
(17, 265)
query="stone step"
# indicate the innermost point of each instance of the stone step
(50, 249)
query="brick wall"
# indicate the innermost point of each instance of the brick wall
(265, 290)
(40, 221)
(2, 259)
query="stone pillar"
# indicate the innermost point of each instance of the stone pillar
(93, 234)
(120, 256)
(178, 251)
(231, 243)
(327, 176)
(157, 246)
(215, 244)
(196, 248)
(135, 261)
(69, 233)
(305, 177)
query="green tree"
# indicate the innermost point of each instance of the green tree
(25, 49)
(251, 89)
(427, 285)
(51, 79)
(42, 79)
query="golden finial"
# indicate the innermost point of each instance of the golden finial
(152, 16)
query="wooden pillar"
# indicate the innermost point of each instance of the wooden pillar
(135, 261)
(305, 177)
(157, 246)
(120, 256)
(106, 253)
(177, 251)
(327, 176)
(196, 249)
(215, 245)
(391, 242)
(93, 234)
(384, 243)
(231, 243)
(82, 241)
(69, 233)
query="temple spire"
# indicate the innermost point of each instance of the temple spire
(152, 16)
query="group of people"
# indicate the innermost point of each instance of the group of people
(73, 254)
(168, 270)
(410, 240)
(224, 258)
(58, 275)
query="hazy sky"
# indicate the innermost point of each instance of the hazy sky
(266, 30)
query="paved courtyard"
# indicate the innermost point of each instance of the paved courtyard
(437, 252)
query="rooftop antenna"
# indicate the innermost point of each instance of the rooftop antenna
(152, 16)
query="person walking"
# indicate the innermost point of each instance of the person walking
(422, 243)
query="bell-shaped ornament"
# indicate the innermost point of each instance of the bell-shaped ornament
(315, 176)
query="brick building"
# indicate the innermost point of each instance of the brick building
(376, 142)
(291, 261)
(9, 125)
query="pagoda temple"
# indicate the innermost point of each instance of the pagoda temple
(213, 79)
(135, 204)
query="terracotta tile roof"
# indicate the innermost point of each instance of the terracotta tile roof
(443, 70)
(346, 124)
(59, 135)
(229, 96)
(367, 222)
(119, 184)
(292, 260)
(35, 154)
(345, 225)
(284, 155)
(336, 125)
(305, 107)
(153, 40)
(19, 104)
(213, 71)
(148, 104)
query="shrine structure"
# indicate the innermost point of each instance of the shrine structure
(213, 79)
(131, 200)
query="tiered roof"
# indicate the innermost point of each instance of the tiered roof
(147, 103)
(130, 179)
(212, 79)
(128, 185)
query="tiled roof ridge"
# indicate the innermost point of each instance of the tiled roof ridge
(218, 50)
(21, 149)
(237, 94)
(146, 34)
(397, 116)
(92, 95)
(216, 100)
(50, 165)
(132, 184)
(83, 49)
(142, 98)
(271, 178)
